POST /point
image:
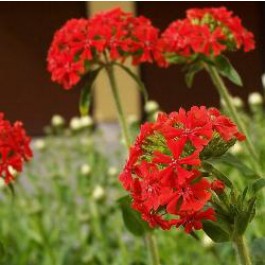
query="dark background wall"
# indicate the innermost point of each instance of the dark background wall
(26, 31)
(26, 91)
(167, 86)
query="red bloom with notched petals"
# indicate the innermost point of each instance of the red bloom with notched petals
(83, 43)
(207, 31)
(164, 174)
(14, 149)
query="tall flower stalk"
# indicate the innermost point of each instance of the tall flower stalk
(224, 94)
(149, 237)
(87, 46)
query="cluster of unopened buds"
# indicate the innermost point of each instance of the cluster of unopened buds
(164, 172)
(14, 149)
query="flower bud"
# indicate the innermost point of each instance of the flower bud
(151, 106)
(98, 193)
(238, 102)
(40, 144)
(255, 98)
(2, 183)
(57, 121)
(85, 169)
(86, 121)
(12, 171)
(236, 148)
(75, 124)
(207, 241)
(132, 119)
(112, 171)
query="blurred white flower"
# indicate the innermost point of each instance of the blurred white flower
(12, 171)
(151, 106)
(85, 169)
(2, 183)
(132, 119)
(236, 148)
(263, 80)
(98, 193)
(86, 121)
(207, 241)
(112, 171)
(57, 120)
(39, 144)
(255, 98)
(238, 102)
(75, 124)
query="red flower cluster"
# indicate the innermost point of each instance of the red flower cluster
(14, 148)
(82, 43)
(163, 172)
(206, 31)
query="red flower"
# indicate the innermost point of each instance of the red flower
(208, 31)
(82, 43)
(14, 148)
(218, 186)
(163, 171)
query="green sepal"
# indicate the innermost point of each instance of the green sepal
(215, 232)
(132, 219)
(136, 78)
(85, 97)
(257, 185)
(226, 69)
(209, 165)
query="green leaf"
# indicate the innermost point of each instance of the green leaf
(85, 97)
(257, 185)
(210, 166)
(132, 219)
(226, 69)
(192, 71)
(215, 232)
(233, 161)
(136, 78)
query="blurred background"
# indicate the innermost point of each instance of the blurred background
(27, 93)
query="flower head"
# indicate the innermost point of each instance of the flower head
(164, 170)
(83, 43)
(207, 31)
(14, 149)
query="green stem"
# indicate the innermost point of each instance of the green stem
(150, 239)
(224, 94)
(242, 251)
(121, 116)
(152, 246)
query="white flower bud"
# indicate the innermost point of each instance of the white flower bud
(151, 106)
(236, 148)
(155, 115)
(112, 171)
(2, 183)
(86, 121)
(12, 171)
(40, 144)
(238, 102)
(255, 98)
(207, 241)
(75, 124)
(85, 169)
(132, 119)
(57, 120)
(98, 193)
